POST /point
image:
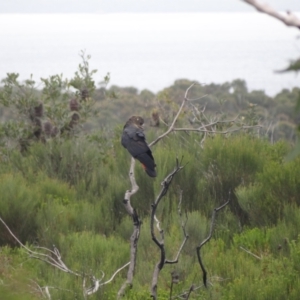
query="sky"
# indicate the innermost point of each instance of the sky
(136, 6)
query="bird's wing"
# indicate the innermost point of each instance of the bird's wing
(133, 139)
(134, 132)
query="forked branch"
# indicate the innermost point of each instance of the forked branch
(207, 126)
(97, 282)
(160, 242)
(171, 127)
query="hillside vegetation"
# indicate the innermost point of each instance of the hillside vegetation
(64, 174)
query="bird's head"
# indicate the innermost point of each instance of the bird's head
(137, 120)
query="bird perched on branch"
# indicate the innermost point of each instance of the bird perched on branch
(134, 140)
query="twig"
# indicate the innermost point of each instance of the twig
(186, 236)
(171, 128)
(190, 291)
(215, 211)
(250, 253)
(47, 294)
(58, 263)
(185, 295)
(203, 128)
(55, 262)
(96, 282)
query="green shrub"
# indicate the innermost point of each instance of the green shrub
(17, 281)
(275, 186)
(18, 206)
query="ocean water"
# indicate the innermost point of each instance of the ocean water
(152, 50)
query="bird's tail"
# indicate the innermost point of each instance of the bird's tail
(147, 163)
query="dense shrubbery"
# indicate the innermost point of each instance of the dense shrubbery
(83, 215)
(67, 189)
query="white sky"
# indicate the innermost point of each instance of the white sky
(113, 6)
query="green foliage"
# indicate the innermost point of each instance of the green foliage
(228, 163)
(14, 277)
(294, 66)
(275, 186)
(18, 207)
(60, 108)
(65, 187)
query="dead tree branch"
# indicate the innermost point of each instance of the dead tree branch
(185, 295)
(190, 291)
(53, 258)
(45, 290)
(252, 254)
(212, 223)
(97, 282)
(171, 128)
(174, 275)
(289, 19)
(183, 225)
(207, 126)
(132, 212)
(136, 230)
(160, 243)
(132, 191)
(204, 128)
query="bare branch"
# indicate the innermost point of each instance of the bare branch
(250, 253)
(183, 224)
(97, 282)
(190, 291)
(58, 263)
(47, 288)
(203, 128)
(185, 295)
(133, 213)
(136, 229)
(175, 118)
(160, 243)
(207, 239)
(40, 289)
(55, 262)
(113, 276)
(206, 127)
(133, 190)
(175, 276)
(289, 19)
(11, 233)
(133, 254)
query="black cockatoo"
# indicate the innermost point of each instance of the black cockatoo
(133, 139)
